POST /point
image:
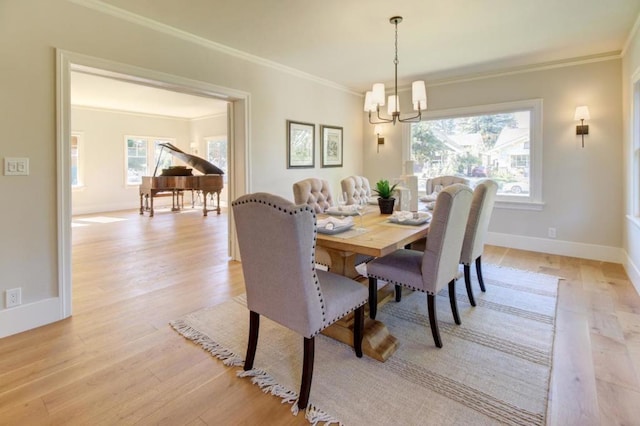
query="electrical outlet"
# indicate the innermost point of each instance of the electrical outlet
(552, 232)
(13, 297)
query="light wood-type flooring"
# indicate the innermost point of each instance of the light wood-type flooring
(117, 361)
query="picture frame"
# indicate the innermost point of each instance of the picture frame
(331, 146)
(301, 145)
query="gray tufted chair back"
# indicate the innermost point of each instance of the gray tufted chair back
(444, 181)
(315, 192)
(277, 249)
(356, 188)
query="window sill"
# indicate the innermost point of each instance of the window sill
(520, 205)
(635, 220)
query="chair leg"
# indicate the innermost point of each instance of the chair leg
(373, 297)
(307, 373)
(479, 271)
(433, 321)
(452, 301)
(358, 328)
(467, 282)
(254, 326)
(398, 293)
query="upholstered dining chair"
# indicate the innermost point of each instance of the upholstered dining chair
(277, 248)
(356, 188)
(444, 181)
(484, 196)
(314, 192)
(429, 270)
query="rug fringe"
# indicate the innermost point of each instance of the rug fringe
(227, 357)
(314, 415)
(269, 385)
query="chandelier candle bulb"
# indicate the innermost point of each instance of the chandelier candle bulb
(378, 94)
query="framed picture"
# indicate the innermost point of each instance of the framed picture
(301, 145)
(331, 146)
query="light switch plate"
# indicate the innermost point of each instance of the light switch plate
(14, 166)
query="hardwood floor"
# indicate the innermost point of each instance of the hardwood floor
(117, 361)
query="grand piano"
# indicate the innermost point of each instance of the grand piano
(175, 180)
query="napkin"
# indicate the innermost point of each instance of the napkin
(402, 216)
(431, 197)
(347, 209)
(334, 222)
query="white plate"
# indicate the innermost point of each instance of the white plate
(337, 230)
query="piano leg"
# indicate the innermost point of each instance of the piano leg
(175, 200)
(204, 209)
(141, 205)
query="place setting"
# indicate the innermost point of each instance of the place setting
(410, 218)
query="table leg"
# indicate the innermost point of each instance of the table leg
(377, 342)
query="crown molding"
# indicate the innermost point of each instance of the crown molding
(630, 37)
(116, 12)
(147, 114)
(543, 66)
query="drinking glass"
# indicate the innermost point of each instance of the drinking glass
(361, 206)
(342, 200)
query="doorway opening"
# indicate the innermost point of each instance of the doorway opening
(235, 103)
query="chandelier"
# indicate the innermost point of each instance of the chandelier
(374, 98)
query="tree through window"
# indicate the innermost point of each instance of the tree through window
(489, 145)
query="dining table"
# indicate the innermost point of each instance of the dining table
(372, 234)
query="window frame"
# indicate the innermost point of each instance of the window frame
(217, 138)
(80, 159)
(534, 201)
(151, 154)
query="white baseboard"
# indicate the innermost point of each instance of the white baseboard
(29, 316)
(633, 272)
(564, 248)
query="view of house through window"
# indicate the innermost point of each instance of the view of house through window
(142, 154)
(495, 146)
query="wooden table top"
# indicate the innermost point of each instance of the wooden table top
(379, 238)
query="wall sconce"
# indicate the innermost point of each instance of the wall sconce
(582, 113)
(377, 130)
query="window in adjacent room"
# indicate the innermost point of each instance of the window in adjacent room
(142, 155)
(635, 148)
(77, 159)
(501, 142)
(217, 152)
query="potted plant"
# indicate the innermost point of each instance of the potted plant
(385, 199)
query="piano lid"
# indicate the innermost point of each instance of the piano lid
(200, 164)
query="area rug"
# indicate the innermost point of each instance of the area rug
(493, 369)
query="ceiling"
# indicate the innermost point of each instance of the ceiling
(351, 42)
(88, 90)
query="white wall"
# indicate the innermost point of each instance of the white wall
(582, 188)
(105, 187)
(630, 218)
(30, 33)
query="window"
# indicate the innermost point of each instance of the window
(635, 148)
(142, 155)
(217, 152)
(77, 159)
(501, 142)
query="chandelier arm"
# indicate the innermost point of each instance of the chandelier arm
(415, 118)
(381, 120)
